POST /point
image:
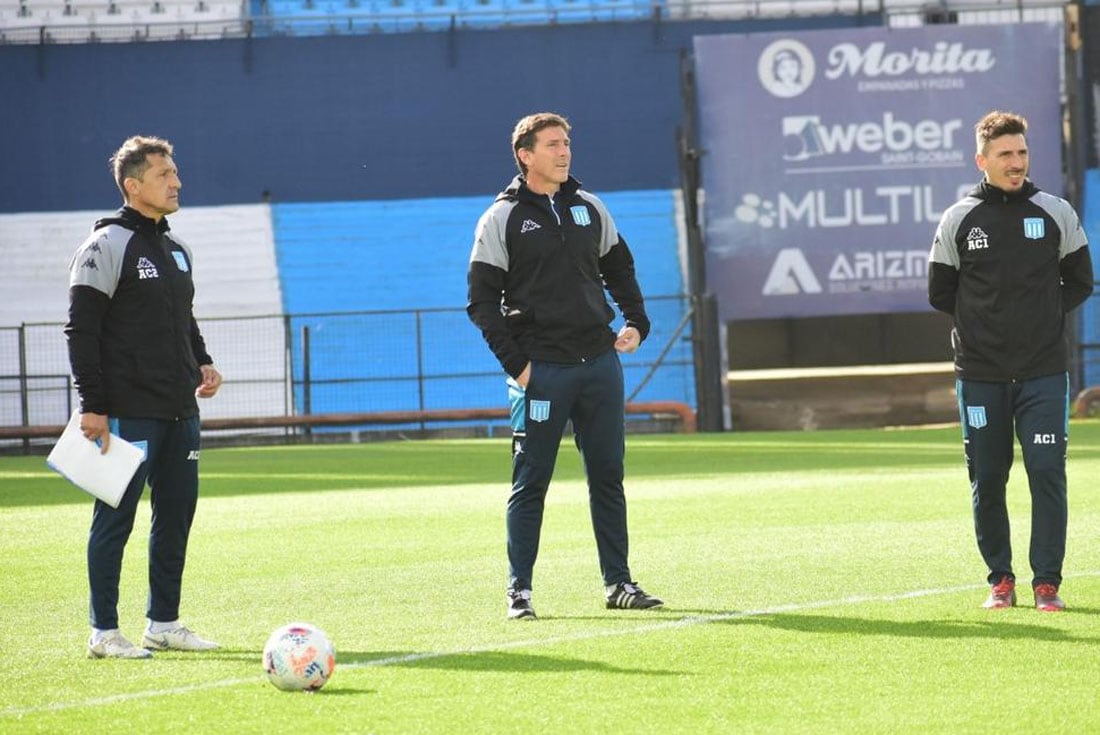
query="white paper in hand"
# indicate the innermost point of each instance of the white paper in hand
(80, 462)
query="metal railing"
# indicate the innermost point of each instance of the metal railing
(419, 360)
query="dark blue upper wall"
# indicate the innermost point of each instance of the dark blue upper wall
(345, 117)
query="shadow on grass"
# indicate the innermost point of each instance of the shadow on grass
(1002, 625)
(689, 613)
(487, 661)
(658, 615)
(335, 690)
(221, 654)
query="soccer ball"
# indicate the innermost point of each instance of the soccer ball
(299, 657)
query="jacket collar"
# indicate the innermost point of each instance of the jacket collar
(517, 190)
(989, 193)
(132, 219)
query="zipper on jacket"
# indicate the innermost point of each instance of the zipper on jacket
(553, 209)
(164, 248)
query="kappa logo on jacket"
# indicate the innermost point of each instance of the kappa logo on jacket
(976, 239)
(146, 269)
(529, 225)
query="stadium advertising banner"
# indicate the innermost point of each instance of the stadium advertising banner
(829, 156)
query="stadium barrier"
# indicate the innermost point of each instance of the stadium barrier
(857, 395)
(681, 412)
(388, 363)
(850, 396)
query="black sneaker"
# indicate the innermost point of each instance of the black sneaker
(629, 596)
(519, 604)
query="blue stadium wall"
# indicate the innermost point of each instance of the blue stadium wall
(378, 153)
(433, 358)
(337, 118)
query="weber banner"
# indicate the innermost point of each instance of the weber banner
(830, 155)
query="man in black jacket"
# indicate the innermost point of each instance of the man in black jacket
(138, 363)
(1009, 262)
(542, 256)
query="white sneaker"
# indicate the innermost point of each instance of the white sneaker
(114, 645)
(177, 639)
(519, 605)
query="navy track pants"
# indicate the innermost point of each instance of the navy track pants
(591, 395)
(171, 467)
(1037, 410)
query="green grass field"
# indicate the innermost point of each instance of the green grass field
(815, 582)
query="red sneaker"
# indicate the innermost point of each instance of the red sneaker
(1047, 599)
(1002, 594)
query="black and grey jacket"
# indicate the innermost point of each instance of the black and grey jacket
(134, 346)
(1009, 266)
(537, 275)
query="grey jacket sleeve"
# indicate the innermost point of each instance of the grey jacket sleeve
(1074, 262)
(943, 260)
(93, 277)
(485, 288)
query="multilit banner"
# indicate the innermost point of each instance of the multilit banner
(830, 155)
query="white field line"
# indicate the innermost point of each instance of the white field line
(684, 622)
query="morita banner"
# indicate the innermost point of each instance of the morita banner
(830, 155)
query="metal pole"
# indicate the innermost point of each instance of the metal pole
(1075, 155)
(706, 346)
(288, 366)
(420, 365)
(307, 399)
(24, 387)
(710, 354)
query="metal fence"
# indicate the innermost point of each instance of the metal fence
(353, 362)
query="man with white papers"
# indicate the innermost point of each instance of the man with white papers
(103, 471)
(138, 362)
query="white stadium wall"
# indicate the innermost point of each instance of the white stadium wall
(235, 278)
(234, 251)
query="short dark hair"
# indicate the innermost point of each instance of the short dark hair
(523, 136)
(995, 124)
(130, 162)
